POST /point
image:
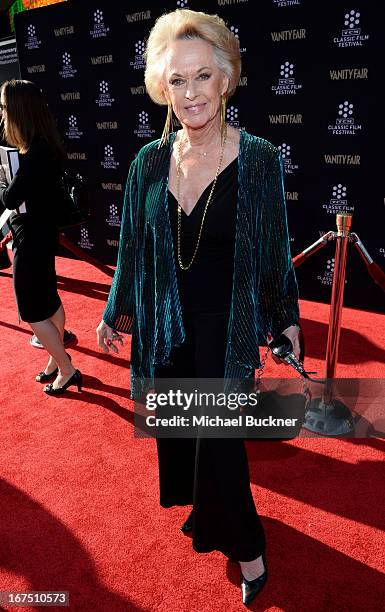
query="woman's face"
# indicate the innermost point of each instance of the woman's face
(193, 83)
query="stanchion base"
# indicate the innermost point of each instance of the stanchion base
(332, 419)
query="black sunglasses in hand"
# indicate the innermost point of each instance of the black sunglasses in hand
(282, 348)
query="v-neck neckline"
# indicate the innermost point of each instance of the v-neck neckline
(197, 203)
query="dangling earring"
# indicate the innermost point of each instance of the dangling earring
(223, 116)
(168, 127)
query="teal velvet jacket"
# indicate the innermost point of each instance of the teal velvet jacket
(144, 298)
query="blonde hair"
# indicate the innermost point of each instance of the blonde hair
(187, 24)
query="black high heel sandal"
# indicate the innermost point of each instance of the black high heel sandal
(76, 379)
(250, 588)
(42, 377)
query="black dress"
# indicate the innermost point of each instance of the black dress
(35, 235)
(212, 474)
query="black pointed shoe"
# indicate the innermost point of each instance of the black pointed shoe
(250, 588)
(76, 379)
(188, 524)
(42, 377)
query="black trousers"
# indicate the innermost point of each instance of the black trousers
(212, 474)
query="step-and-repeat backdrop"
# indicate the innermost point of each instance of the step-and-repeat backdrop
(312, 83)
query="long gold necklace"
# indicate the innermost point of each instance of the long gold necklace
(186, 267)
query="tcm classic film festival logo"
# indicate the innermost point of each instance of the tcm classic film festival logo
(326, 278)
(32, 41)
(338, 202)
(84, 241)
(286, 82)
(232, 117)
(280, 3)
(104, 98)
(67, 71)
(235, 31)
(99, 29)
(138, 62)
(113, 219)
(73, 132)
(109, 162)
(144, 128)
(345, 122)
(285, 149)
(351, 33)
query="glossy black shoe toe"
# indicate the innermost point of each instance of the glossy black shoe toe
(250, 588)
(42, 377)
(76, 379)
(188, 524)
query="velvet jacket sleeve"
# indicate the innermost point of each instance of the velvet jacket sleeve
(119, 309)
(278, 291)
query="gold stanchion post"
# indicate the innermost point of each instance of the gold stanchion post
(328, 415)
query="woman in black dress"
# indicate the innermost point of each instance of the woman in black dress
(210, 474)
(29, 126)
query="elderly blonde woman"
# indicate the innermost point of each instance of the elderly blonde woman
(204, 272)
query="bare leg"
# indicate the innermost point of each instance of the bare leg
(252, 569)
(51, 339)
(58, 319)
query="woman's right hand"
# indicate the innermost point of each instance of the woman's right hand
(106, 337)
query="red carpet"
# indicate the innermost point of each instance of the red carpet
(79, 494)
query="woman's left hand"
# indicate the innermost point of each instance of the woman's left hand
(292, 332)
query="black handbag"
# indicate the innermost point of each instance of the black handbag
(72, 205)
